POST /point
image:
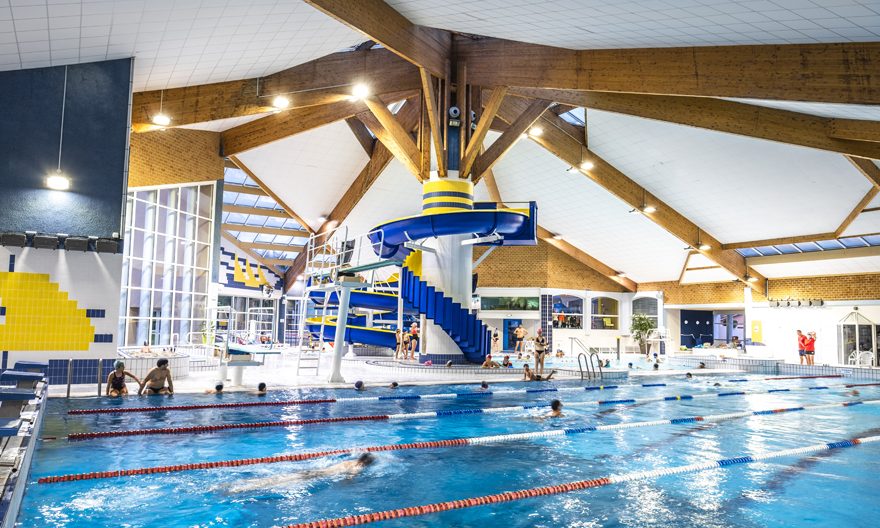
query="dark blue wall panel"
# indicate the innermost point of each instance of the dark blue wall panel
(696, 327)
(96, 124)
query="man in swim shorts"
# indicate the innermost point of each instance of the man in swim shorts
(154, 381)
(519, 334)
(800, 339)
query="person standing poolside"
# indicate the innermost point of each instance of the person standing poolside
(519, 334)
(496, 343)
(116, 380)
(810, 348)
(154, 381)
(540, 352)
(800, 339)
(413, 340)
(398, 336)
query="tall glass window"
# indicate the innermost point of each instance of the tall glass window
(646, 306)
(604, 313)
(168, 250)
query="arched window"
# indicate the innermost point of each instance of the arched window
(646, 306)
(568, 311)
(604, 313)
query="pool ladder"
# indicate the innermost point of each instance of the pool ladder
(589, 366)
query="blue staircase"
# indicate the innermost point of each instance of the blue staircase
(472, 336)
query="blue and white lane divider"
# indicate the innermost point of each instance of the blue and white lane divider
(622, 401)
(619, 478)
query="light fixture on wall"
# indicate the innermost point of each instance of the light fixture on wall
(645, 207)
(749, 278)
(57, 180)
(536, 131)
(702, 246)
(280, 102)
(161, 119)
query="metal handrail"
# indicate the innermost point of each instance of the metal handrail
(581, 367)
(598, 364)
(593, 361)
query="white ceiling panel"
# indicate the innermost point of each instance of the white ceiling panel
(586, 215)
(219, 125)
(843, 266)
(864, 224)
(594, 24)
(310, 171)
(847, 111)
(735, 188)
(174, 42)
(395, 194)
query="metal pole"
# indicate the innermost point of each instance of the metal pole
(100, 371)
(69, 374)
(339, 335)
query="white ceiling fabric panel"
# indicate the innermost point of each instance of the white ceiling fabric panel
(700, 276)
(864, 224)
(595, 24)
(586, 215)
(395, 193)
(735, 188)
(310, 171)
(174, 42)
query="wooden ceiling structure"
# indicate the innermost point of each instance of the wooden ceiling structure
(516, 87)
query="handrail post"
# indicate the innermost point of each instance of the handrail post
(100, 371)
(69, 374)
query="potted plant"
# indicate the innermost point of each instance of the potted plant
(641, 328)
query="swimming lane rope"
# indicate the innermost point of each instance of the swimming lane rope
(454, 442)
(198, 429)
(508, 496)
(445, 395)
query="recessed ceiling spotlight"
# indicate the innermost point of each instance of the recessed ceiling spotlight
(359, 91)
(58, 182)
(587, 165)
(536, 131)
(322, 219)
(751, 279)
(704, 247)
(648, 209)
(280, 102)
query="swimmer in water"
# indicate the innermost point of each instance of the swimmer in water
(555, 410)
(689, 376)
(348, 468)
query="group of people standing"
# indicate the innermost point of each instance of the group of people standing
(407, 342)
(807, 347)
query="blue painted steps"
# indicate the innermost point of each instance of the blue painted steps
(472, 336)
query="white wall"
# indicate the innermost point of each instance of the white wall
(779, 325)
(92, 280)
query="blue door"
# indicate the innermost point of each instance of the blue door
(509, 337)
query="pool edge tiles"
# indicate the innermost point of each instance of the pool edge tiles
(10, 502)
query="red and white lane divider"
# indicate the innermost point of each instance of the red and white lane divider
(453, 442)
(508, 496)
(199, 429)
(363, 399)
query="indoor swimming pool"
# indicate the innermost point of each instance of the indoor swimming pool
(592, 440)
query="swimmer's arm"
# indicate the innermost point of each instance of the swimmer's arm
(132, 376)
(146, 379)
(170, 383)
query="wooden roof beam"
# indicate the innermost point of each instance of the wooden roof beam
(243, 189)
(265, 230)
(393, 135)
(627, 190)
(475, 146)
(285, 124)
(290, 212)
(379, 161)
(834, 73)
(856, 129)
(436, 119)
(425, 47)
(322, 81)
(520, 120)
(253, 254)
(721, 115)
(270, 246)
(567, 248)
(361, 133)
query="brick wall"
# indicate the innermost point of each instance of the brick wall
(175, 155)
(832, 288)
(541, 266)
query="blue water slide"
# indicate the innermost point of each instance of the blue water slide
(359, 299)
(388, 238)
(354, 334)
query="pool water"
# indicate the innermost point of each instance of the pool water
(836, 488)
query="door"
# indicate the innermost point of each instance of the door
(509, 337)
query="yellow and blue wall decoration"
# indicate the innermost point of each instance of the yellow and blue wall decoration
(237, 272)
